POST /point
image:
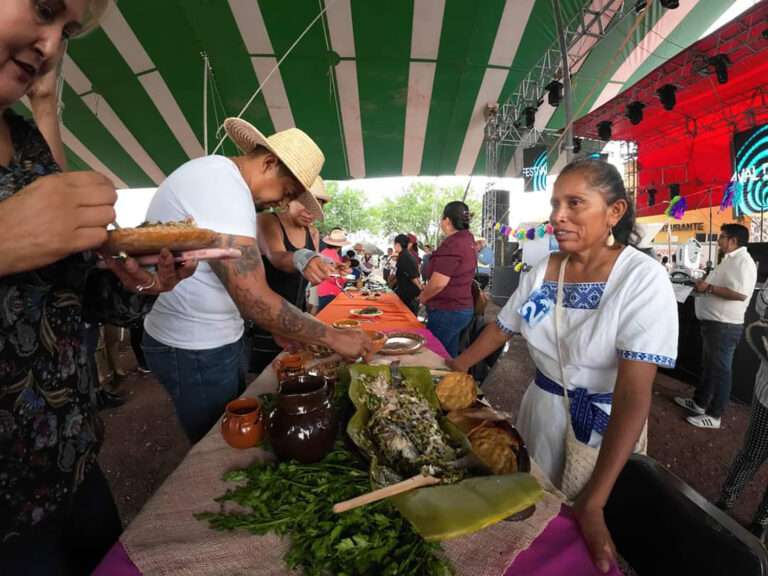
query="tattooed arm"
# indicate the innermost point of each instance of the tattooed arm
(247, 285)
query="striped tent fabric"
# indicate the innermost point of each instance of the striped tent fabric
(386, 88)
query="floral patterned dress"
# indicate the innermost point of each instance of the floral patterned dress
(49, 429)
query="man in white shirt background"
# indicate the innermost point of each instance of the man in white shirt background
(721, 304)
(193, 341)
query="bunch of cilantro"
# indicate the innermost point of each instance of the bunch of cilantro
(295, 500)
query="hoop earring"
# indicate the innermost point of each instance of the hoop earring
(610, 241)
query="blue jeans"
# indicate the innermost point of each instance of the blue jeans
(719, 341)
(447, 325)
(200, 382)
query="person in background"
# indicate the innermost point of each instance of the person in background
(388, 264)
(451, 271)
(137, 333)
(754, 450)
(281, 235)
(366, 264)
(331, 287)
(405, 281)
(722, 301)
(413, 247)
(194, 338)
(665, 262)
(57, 513)
(618, 322)
(427, 252)
(484, 262)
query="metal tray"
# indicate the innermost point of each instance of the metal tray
(402, 343)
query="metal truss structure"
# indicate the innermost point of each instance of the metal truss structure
(505, 125)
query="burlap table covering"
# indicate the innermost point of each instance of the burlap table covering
(165, 538)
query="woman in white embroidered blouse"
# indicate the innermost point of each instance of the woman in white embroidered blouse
(618, 324)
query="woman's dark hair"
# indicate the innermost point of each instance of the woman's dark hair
(603, 176)
(737, 231)
(403, 240)
(458, 213)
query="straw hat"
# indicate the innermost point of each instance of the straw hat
(337, 237)
(318, 190)
(293, 147)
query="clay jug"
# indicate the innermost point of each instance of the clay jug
(243, 425)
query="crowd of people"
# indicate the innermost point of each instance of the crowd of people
(598, 316)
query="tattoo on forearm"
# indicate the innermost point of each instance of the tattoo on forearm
(291, 321)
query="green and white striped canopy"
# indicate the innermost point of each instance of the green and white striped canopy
(385, 87)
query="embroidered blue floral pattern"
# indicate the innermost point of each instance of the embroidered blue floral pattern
(579, 296)
(663, 361)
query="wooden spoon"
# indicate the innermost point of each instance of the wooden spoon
(412, 483)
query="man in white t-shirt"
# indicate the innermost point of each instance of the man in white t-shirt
(720, 307)
(193, 337)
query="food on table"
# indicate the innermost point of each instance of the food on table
(300, 497)
(463, 422)
(496, 448)
(152, 237)
(456, 390)
(378, 340)
(289, 366)
(367, 311)
(319, 351)
(346, 324)
(405, 433)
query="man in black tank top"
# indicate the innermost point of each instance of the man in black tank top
(281, 235)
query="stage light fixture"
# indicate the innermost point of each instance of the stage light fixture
(640, 6)
(530, 116)
(667, 96)
(555, 89)
(674, 191)
(651, 196)
(576, 145)
(635, 112)
(604, 130)
(720, 64)
(669, 4)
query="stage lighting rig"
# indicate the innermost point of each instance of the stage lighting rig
(635, 112)
(529, 114)
(604, 129)
(720, 65)
(667, 95)
(669, 4)
(555, 89)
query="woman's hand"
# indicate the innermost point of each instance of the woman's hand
(591, 521)
(456, 364)
(137, 279)
(54, 217)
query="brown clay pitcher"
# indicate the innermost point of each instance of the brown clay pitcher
(303, 424)
(243, 425)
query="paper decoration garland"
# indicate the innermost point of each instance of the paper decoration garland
(676, 208)
(524, 233)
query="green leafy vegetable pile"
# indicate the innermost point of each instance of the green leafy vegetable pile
(295, 500)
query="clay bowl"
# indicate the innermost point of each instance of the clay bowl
(348, 324)
(378, 339)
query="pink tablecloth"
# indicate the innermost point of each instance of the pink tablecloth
(559, 551)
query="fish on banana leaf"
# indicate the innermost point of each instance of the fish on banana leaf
(406, 434)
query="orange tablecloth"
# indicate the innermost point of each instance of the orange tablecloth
(396, 315)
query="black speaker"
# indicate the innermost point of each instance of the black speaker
(503, 283)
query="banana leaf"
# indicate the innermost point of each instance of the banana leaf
(449, 510)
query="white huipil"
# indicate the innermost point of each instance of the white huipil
(633, 315)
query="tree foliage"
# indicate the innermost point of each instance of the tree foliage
(417, 211)
(347, 209)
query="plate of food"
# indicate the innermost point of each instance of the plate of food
(402, 343)
(404, 430)
(152, 237)
(348, 324)
(367, 312)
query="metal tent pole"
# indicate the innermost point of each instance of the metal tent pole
(566, 81)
